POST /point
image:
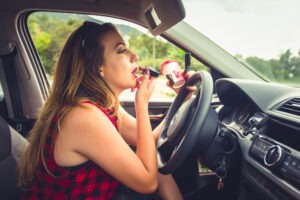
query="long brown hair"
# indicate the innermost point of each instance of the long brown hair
(76, 77)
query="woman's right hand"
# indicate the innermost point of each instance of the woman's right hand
(145, 86)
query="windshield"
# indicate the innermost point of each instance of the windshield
(264, 34)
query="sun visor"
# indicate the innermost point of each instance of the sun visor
(160, 15)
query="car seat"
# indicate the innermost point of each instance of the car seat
(12, 146)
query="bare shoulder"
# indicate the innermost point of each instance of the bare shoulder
(85, 110)
(84, 126)
(85, 118)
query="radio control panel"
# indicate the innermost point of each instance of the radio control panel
(278, 159)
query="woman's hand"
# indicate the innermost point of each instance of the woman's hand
(145, 86)
(192, 89)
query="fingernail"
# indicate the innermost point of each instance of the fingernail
(146, 71)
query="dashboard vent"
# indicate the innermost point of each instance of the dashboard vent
(292, 106)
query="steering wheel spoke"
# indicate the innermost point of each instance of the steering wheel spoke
(184, 123)
(165, 151)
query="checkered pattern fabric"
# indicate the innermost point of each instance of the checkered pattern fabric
(85, 181)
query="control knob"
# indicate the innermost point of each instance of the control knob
(274, 156)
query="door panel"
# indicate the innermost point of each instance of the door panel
(158, 108)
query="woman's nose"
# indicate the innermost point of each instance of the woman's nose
(134, 57)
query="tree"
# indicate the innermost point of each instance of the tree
(262, 66)
(285, 61)
(49, 32)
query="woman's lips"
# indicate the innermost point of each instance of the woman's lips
(134, 72)
(135, 76)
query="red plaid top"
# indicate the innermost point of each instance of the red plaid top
(85, 181)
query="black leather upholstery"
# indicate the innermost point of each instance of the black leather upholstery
(12, 145)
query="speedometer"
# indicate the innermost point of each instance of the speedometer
(242, 113)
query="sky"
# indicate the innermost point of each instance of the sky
(262, 28)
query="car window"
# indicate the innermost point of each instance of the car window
(49, 31)
(260, 34)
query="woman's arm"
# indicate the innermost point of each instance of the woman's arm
(128, 127)
(86, 133)
(145, 143)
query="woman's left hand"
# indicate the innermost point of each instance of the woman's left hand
(192, 89)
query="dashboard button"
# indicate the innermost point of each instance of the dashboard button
(274, 156)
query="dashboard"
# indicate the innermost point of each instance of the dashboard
(265, 118)
(242, 118)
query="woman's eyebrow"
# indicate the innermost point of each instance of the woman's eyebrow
(120, 43)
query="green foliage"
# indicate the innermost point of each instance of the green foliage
(49, 32)
(153, 51)
(285, 69)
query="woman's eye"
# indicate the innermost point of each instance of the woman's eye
(122, 51)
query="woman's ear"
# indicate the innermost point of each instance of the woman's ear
(101, 71)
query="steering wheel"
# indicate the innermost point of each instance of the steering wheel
(184, 122)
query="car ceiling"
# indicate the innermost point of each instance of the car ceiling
(169, 12)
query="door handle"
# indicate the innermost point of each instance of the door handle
(157, 117)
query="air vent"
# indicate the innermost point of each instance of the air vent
(292, 106)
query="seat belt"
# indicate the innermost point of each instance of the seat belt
(8, 52)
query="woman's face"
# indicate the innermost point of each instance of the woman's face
(119, 66)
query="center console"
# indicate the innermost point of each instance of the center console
(276, 173)
(280, 160)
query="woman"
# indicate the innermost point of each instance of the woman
(79, 144)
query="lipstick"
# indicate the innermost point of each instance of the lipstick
(151, 71)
